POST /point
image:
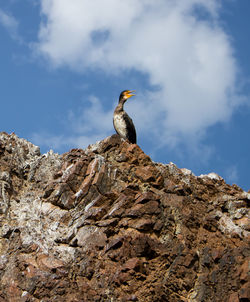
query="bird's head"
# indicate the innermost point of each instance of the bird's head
(126, 94)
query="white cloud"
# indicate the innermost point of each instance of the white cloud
(10, 24)
(189, 58)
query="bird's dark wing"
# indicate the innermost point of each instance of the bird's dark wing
(131, 133)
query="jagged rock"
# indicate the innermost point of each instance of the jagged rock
(108, 224)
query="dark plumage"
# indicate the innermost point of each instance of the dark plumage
(123, 124)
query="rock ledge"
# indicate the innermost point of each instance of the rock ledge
(108, 224)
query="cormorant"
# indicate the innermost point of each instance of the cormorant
(123, 124)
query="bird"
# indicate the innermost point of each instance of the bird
(123, 124)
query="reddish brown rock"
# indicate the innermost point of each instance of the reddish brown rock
(233, 298)
(244, 293)
(108, 224)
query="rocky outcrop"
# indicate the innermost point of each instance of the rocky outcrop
(108, 224)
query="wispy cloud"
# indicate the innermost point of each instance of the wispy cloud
(86, 126)
(187, 56)
(10, 24)
(231, 174)
(63, 142)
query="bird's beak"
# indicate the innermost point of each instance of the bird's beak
(131, 93)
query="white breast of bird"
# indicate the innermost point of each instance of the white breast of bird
(120, 126)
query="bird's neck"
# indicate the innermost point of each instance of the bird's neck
(120, 105)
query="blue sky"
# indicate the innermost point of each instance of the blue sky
(64, 63)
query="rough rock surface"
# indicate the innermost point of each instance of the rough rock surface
(108, 224)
